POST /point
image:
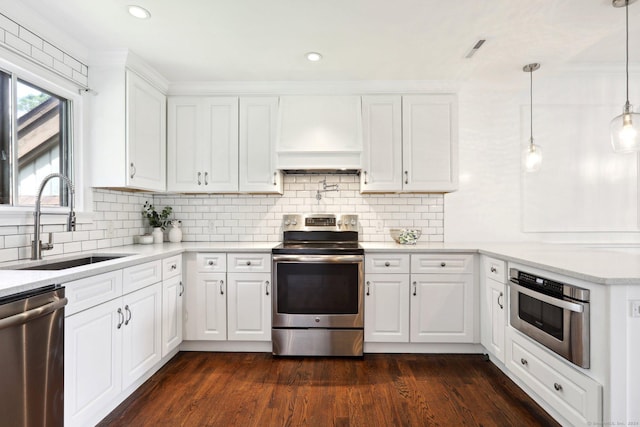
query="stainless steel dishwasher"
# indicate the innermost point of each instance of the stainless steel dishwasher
(32, 357)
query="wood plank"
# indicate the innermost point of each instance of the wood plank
(257, 389)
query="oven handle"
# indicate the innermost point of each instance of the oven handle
(319, 258)
(571, 306)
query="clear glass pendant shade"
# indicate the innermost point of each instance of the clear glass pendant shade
(625, 131)
(532, 157)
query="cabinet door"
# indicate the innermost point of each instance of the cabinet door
(209, 304)
(172, 290)
(141, 332)
(92, 365)
(146, 134)
(219, 147)
(258, 121)
(382, 144)
(442, 308)
(386, 308)
(249, 305)
(184, 130)
(494, 318)
(430, 146)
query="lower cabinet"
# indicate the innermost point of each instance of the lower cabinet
(386, 308)
(493, 306)
(249, 307)
(207, 308)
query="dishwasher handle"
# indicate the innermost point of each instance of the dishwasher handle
(24, 317)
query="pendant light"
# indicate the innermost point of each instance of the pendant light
(625, 127)
(532, 155)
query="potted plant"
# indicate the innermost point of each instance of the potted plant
(158, 221)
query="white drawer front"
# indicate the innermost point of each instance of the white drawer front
(211, 262)
(91, 291)
(442, 263)
(495, 269)
(386, 263)
(171, 267)
(249, 262)
(573, 394)
(140, 276)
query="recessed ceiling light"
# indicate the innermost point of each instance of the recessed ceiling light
(139, 12)
(314, 56)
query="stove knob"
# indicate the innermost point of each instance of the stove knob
(294, 222)
(286, 222)
(354, 222)
(339, 223)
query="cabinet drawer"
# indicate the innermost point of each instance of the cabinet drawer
(442, 263)
(249, 262)
(573, 394)
(386, 263)
(140, 276)
(495, 269)
(211, 263)
(171, 267)
(91, 291)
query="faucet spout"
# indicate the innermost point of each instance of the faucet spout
(36, 245)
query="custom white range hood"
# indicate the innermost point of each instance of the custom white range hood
(320, 132)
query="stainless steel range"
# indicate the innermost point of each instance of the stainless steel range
(318, 283)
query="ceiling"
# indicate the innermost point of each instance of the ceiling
(266, 40)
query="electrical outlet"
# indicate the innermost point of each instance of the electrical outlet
(380, 226)
(212, 227)
(110, 232)
(635, 308)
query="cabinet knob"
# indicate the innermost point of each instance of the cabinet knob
(443, 264)
(210, 262)
(248, 262)
(557, 386)
(173, 266)
(524, 361)
(494, 270)
(387, 263)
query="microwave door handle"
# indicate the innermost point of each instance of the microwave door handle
(571, 306)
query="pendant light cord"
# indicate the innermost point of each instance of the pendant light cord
(531, 105)
(626, 8)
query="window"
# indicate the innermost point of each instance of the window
(34, 142)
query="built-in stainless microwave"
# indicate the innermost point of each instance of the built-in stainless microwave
(554, 314)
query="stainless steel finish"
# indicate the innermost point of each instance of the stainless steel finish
(297, 222)
(32, 355)
(321, 171)
(575, 345)
(317, 342)
(36, 245)
(319, 258)
(70, 263)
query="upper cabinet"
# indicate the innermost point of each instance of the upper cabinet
(258, 121)
(410, 143)
(128, 132)
(202, 144)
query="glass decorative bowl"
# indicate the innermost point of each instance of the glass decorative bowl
(405, 236)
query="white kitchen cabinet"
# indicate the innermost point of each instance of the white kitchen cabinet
(172, 292)
(202, 144)
(249, 307)
(141, 332)
(93, 362)
(128, 135)
(386, 308)
(207, 308)
(442, 298)
(257, 151)
(410, 143)
(493, 303)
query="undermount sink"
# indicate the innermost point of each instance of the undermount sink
(70, 263)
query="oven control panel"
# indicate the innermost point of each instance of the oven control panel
(319, 222)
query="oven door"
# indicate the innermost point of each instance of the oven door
(559, 324)
(318, 291)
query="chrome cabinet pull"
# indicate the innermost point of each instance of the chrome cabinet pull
(524, 361)
(121, 318)
(493, 270)
(206, 178)
(366, 180)
(406, 177)
(181, 289)
(173, 266)
(557, 386)
(415, 288)
(221, 287)
(199, 175)
(248, 262)
(387, 264)
(275, 175)
(499, 303)
(132, 170)
(368, 284)
(443, 264)
(266, 287)
(126, 308)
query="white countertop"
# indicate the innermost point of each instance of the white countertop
(600, 266)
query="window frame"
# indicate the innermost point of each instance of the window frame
(20, 68)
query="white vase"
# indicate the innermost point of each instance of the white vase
(158, 235)
(175, 233)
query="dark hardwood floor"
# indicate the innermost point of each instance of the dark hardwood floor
(257, 389)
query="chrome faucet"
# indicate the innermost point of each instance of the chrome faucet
(36, 245)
